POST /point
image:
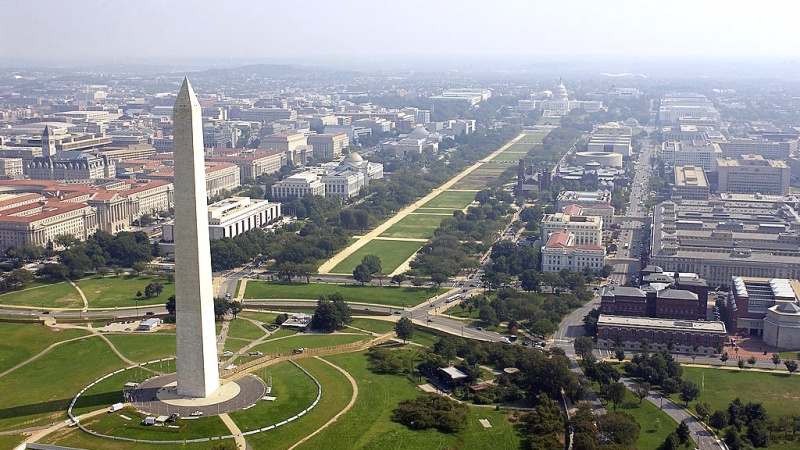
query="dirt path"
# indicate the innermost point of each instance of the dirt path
(326, 267)
(340, 413)
(83, 297)
(42, 353)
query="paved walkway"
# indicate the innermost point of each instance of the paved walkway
(340, 413)
(57, 426)
(328, 266)
(235, 431)
(704, 439)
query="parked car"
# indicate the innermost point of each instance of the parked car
(197, 413)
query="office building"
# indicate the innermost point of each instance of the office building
(233, 216)
(677, 336)
(697, 153)
(562, 252)
(298, 186)
(588, 230)
(674, 107)
(752, 174)
(750, 299)
(252, 163)
(736, 148)
(328, 145)
(690, 183)
(604, 212)
(583, 198)
(611, 138)
(728, 235)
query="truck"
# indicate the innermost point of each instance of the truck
(115, 407)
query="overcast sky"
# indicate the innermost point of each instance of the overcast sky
(76, 32)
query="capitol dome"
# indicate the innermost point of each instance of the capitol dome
(560, 92)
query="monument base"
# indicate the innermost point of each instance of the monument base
(159, 396)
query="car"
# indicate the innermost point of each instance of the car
(173, 417)
(227, 353)
(197, 413)
(430, 320)
(256, 354)
(479, 328)
(396, 312)
(149, 313)
(228, 295)
(319, 279)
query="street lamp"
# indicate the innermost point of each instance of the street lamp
(137, 308)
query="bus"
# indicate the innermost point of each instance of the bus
(452, 298)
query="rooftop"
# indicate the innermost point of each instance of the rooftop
(661, 324)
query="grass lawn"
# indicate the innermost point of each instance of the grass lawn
(451, 199)
(549, 121)
(307, 341)
(22, 341)
(777, 391)
(114, 425)
(655, 424)
(267, 318)
(423, 337)
(336, 393)
(39, 393)
(38, 293)
(368, 426)
(142, 347)
(508, 155)
(109, 391)
(244, 329)
(235, 344)
(11, 440)
(378, 326)
(379, 295)
(74, 437)
(392, 254)
(105, 292)
(417, 226)
(294, 390)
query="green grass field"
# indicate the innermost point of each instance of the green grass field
(22, 341)
(392, 254)
(142, 347)
(74, 437)
(655, 423)
(39, 392)
(307, 341)
(115, 425)
(38, 293)
(235, 344)
(336, 393)
(294, 390)
(105, 292)
(378, 326)
(368, 426)
(244, 329)
(11, 440)
(508, 156)
(480, 177)
(267, 318)
(777, 391)
(380, 295)
(416, 226)
(549, 121)
(451, 199)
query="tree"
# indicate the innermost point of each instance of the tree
(529, 280)
(703, 410)
(776, 359)
(672, 442)
(619, 353)
(615, 393)
(740, 363)
(583, 346)
(373, 263)
(544, 425)
(170, 305)
(149, 291)
(758, 434)
(641, 391)
(431, 411)
(752, 361)
(139, 267)
(325, 317)
(683, 432)
(488, 316)
(543, 327)
(280, 318)
(689, 392)
(619, 428)
(791, 365)
(18, 279)
(399, 278)
(724, 358)
(362, 274)
(719, 419)
(404, 328)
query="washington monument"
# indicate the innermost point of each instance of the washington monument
(198, 375)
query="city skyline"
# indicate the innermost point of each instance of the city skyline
(144, 32)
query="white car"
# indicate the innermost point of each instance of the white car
(197, 413)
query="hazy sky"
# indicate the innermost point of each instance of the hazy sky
(76, 32)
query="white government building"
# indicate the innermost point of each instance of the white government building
(232, 217)
(344, 179)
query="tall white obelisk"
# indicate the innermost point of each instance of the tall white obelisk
(198, 375)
